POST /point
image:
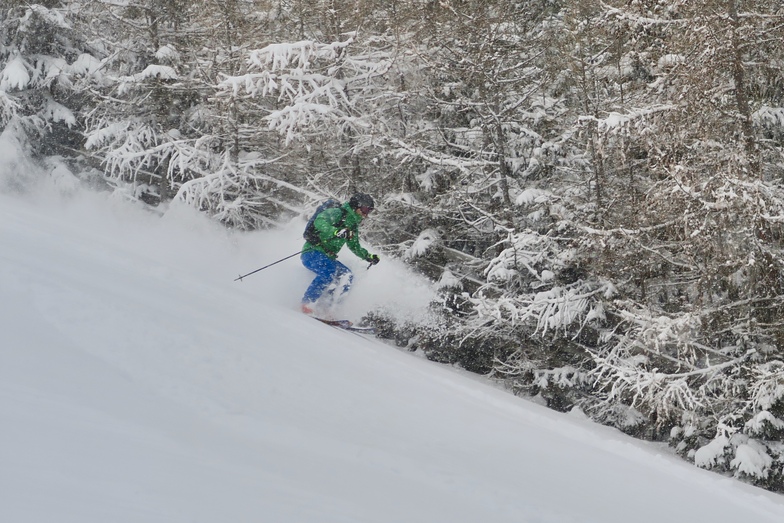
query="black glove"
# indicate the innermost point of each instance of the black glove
(346, 234)
(373, 259)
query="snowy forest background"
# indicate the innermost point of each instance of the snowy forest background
(595, 186)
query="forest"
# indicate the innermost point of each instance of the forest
(596, 187)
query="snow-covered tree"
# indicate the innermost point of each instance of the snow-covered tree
(143, 95)
(40, 53)
(501, 137)
(320, 102)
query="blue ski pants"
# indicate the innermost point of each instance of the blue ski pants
(328, 272)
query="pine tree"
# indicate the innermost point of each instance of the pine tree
(40, 55)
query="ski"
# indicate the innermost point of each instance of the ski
(345, 325)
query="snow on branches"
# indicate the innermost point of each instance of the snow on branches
(527, 268)
(14, 75)
(309, 85)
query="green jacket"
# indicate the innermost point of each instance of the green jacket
(328, 223)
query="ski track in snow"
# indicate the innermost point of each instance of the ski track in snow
(139, 382)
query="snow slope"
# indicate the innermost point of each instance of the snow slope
(140, 383)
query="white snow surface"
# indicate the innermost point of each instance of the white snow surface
(140, 383)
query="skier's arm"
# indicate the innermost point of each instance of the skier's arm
(356, 248)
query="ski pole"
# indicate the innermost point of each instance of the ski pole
(270, 265)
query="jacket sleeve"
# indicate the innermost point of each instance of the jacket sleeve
(356, 248)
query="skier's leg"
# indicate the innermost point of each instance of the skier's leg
(341, 283)
(344, 277)
(325, 269)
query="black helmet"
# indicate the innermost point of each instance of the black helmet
(361, 200)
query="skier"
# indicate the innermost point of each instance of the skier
(333, 228)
